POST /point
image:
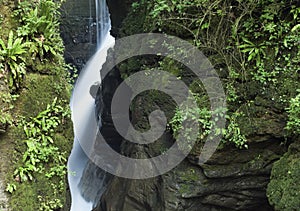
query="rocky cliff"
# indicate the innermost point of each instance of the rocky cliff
(233, 178)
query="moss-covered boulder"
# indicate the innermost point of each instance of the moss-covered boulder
(284, 188)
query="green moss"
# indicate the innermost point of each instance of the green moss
(188, 178)
(41, 192)
(39, 91)
(6, 21)
(28, 195)
(147, 102)
(35, 93)
(283, 189)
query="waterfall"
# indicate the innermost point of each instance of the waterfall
(102, 21)
(90, 23)
(83, 109)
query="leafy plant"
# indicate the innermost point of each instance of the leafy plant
(255, 40)
(274, 30)
(40, 144)
(42, 157)
(40, 27)
(7, 105)
(12, 54)
(5, 118)
(232, 133)
(50, 203)
(293, 123)
(255, 52)
(183, 114)
(10, 187)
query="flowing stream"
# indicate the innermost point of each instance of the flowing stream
(83, 110)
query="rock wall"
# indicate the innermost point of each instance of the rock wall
(78, 30)
(233, 179)
(4, 105)
(118, 10)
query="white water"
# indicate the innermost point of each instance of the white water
(102, 21)
(83, 109)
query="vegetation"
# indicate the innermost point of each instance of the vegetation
(34, 106)
(34, 93)
(12, 55)
(7, 100)
(250, 43)
(204, 118)
(253, 45)
(35, 42)
(39, 25)
(283, 190)
(293, 124)
(42, 155)
(39, 133)
(253, 38)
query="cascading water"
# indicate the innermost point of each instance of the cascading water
(83, 109)
(102, 21)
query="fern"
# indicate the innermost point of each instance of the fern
(12, 54)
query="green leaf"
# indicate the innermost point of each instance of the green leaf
(295, 28)
(285, 43)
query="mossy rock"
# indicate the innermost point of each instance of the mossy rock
(284, 188)
(39, 91)
(5, 118)
(27, 195)
(6, 20)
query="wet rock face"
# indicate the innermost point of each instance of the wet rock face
(78, 30)
(118, 10)
(78, 27)
(236, 179)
